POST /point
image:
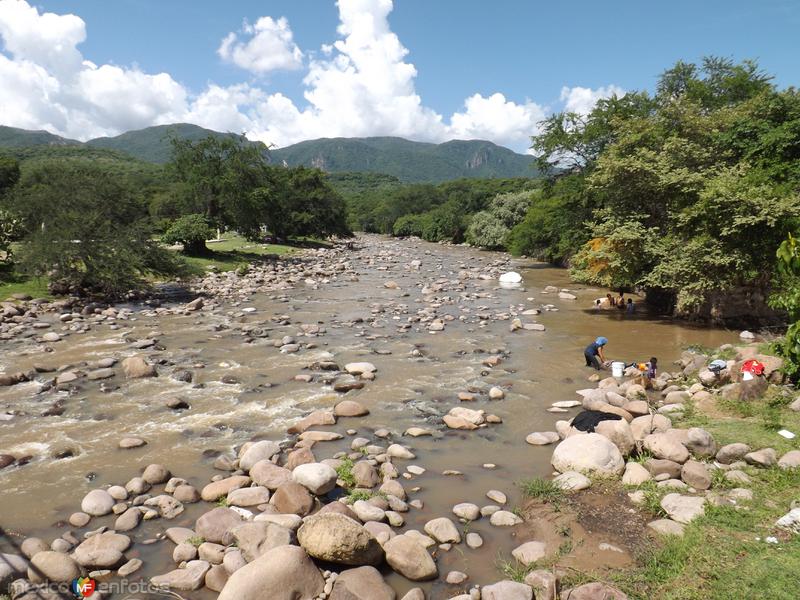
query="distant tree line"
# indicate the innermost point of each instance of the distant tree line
(455, 211)
(96, 223)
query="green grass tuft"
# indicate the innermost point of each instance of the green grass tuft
(344, 472)
(543, 489)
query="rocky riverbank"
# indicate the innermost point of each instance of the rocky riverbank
(337, 503)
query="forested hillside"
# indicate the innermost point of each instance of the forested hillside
(406, 160)
(409, 161)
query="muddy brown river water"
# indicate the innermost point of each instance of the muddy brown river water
(419, 377)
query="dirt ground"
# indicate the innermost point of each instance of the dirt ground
(595, 530)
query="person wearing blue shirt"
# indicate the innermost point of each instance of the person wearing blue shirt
(594, 353)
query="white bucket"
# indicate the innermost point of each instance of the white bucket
(617, 369)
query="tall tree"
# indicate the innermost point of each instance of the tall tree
(86, 228)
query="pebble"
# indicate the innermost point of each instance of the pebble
(496, 496)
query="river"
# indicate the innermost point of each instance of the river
(420, 374)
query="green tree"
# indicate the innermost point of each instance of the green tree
(191, 231)
(786, 297)
(490, 228)
(85, 228)
(216, 177)
(9, 225)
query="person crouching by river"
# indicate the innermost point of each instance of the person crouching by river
(594, 353)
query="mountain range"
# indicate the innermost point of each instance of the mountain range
(408, 161)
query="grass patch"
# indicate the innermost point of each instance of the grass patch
(344, 473)
(234, 253)
(356, 495)
(512, 569)
(724, 554)
(542, 489)
(35, 287)
(753, 422)
(196, 540)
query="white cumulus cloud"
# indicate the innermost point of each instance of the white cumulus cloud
(582, 100)
(270, 46)
(359, 84)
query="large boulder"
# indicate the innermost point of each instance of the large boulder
(363, 583)
(443, 531)
(283, 573)
(409, 557)
(683, 509)
(218, 489)
(588, 453)
(507, 590)
(635, 474)
(701, 443)
(13, 566)
(53, 566)
(270, 475)
(258, 451)
(696, 474)
(259, 537)
(619, 432)
(318, 478)
(663, 445)
(732, 452)
(136, 367)
(339, 539)
(214, 525)
(102, 550)
(292, 498)
(97, 503)
(643, 426)
(190, 578)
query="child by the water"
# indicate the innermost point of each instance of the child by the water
(648, 369)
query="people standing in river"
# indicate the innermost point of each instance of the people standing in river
(611, 301)
(594, 353)
(630, 308)
(621, 301)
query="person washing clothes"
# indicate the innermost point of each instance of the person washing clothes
(594, 353)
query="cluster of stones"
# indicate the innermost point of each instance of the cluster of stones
(279, 512)
(643, 446)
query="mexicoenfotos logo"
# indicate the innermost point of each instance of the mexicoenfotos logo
(83, 587)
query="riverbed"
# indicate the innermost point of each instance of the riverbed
(419, 376)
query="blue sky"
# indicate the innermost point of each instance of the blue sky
(526, 51)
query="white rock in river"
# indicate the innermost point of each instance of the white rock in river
(97, 503)
(256, 452)
(398, 451)
(511, 277)
(443, 531)
(357, 368)
(504, 518)
(467, 511)
(318, 478)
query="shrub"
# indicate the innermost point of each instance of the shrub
(190, 230)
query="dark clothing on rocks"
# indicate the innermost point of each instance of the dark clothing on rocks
(588, 419)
